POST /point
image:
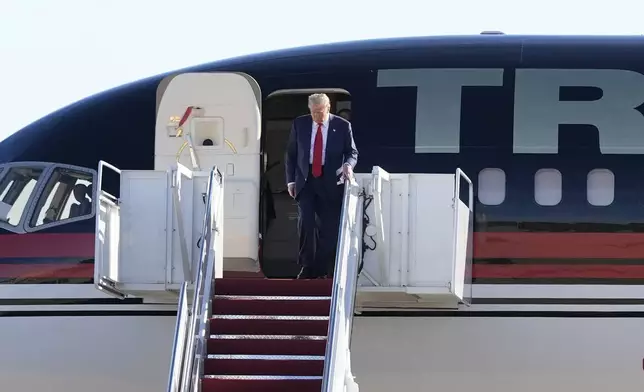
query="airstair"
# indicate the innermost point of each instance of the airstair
(232, 334)
(269, 334)
(174, 235)
(238, 333)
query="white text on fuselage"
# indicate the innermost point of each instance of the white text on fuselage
(538, 111)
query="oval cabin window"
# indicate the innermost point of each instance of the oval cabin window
(600, 188)
(491, 186)
(547, 187)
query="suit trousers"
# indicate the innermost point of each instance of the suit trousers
(319, 207)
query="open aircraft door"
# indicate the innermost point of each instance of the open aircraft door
(214, 119)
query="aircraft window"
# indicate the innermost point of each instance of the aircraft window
(15, 191)
(547, 187)
(600, 187)
(491, 186)
(68, 194)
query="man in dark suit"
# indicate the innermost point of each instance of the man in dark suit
(320, 152)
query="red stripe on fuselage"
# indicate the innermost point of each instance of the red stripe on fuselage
(557, 271)
(488, 245)
(47, 271)
(480, 271)
(47, 245)
(491, 245)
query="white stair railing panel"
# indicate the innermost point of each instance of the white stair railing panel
(148, 240)
(463, 239)
(337, 366)
(106, 242)
(177, 208)
(421, 256)
(381, 192)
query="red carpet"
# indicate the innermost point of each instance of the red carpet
(267, 335)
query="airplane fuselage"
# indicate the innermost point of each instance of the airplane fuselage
(516, 105)
(548, 128)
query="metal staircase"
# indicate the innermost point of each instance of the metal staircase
(152, 237)
(246, 334)
(166, 227)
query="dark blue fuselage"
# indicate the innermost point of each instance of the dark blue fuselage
(384, 121)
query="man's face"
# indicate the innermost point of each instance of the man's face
(319, 112)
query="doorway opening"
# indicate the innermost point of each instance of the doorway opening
(279, 244)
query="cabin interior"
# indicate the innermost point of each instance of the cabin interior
(278, 221)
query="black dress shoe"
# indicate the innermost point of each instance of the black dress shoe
(330, 270)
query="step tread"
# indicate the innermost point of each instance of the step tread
(267, 357)
(245, 377)
(273, 287)
(218, 384)
(276, 297)
(268, 337)
(231, 326)
(267, 346)
(264, 367)
(271, 307)
(286, 317)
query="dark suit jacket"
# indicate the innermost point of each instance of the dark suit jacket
(340, 149)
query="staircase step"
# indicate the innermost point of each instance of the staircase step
(230, 325)
(261, 383)
(269, 287)
(272, 305)
(268, 365)
(274, 344)
(244, 275)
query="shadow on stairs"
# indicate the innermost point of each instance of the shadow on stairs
(267, 335)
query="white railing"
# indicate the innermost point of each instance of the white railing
(181, 172)
(180, 340)
(106, 241)
(463, 243)
(337, 366)
(188, 358)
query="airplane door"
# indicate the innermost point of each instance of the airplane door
(214, 119)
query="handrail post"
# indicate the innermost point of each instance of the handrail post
(179, 343)
(337, 355)
(203, 285)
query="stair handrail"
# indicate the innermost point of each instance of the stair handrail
(337, 365)
(180, 341)
(192, 353)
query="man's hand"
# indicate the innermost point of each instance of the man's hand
(347, 171)
(291, 190)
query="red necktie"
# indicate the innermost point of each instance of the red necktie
(317, 153)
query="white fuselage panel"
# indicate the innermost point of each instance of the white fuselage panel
(497, 354)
